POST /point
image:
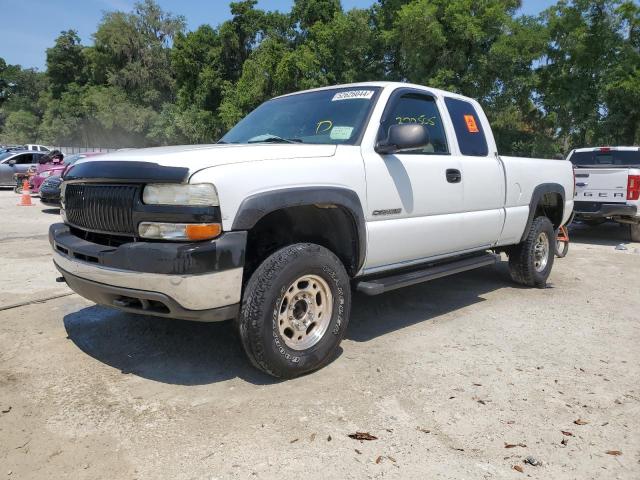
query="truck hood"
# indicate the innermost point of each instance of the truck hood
(198, 157)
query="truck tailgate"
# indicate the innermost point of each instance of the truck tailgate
(602, 185)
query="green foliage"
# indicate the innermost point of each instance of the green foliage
(568, 78)
(65, 62)
(20, 127)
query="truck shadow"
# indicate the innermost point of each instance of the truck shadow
(608, 234)
(164, 350)
(372, 317)
(190, 353)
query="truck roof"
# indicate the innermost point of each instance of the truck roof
(435, 91)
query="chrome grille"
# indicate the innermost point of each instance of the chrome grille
(101, 208)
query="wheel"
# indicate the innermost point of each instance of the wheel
(635, 232)
(295, 310)
(562, 248)
(531, 261)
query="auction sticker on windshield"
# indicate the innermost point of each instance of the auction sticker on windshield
(341, 133)
(353, 95)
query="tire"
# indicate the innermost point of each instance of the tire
(634, 229)
(281, 325)
(562, 248)
(530, 263)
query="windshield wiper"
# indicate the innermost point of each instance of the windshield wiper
(273, 139)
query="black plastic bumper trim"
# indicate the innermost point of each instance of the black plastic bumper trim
(169, 258)
(607, 210)
(144, 302)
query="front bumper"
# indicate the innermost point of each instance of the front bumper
(193, 281)
(593, 210)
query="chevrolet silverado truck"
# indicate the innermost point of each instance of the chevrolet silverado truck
(367, 187)
(608, 186)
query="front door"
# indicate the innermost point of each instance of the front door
(415, 202)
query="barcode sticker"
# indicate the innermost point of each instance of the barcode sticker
(353, 95)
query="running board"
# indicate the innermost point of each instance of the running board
(393, 282)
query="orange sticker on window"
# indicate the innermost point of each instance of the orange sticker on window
(471, 124)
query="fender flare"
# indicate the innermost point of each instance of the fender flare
(536, 197)
(254, 208)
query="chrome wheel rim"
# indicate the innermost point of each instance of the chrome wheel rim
(541, 252)
(305, 312)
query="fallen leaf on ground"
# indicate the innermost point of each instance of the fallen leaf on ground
(482, 402)
(7, 410)
(379, 459)
(580, 422)
(477, 384)
(358, 451)
(312, 437)
(518, 468)
(564, 442)
(294, 440)
(329, 438)
(613, 452)
(514, 445)
(566, 434)
(362, 436)
(391, 458)
(424, 430)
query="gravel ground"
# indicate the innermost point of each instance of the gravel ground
(461, 378)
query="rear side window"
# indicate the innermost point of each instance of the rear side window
(468, 129)
(606, 158)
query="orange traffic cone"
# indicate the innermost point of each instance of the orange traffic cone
(25, 199)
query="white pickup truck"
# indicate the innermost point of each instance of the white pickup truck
(370, 186)
(608, 186)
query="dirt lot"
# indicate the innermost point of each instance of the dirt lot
(447, 375)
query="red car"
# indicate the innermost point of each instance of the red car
(46, 170)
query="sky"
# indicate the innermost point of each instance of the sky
(29, 27)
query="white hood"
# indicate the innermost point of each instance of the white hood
(198, 157)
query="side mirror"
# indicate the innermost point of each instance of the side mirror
(403, 137)
(11, 162)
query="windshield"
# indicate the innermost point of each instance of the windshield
(335, 116)
(611, 158)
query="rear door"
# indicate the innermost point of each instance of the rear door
(482, 176)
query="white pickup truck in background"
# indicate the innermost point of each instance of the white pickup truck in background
(608, 186)
(371, 186)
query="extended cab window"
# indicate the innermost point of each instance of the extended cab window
(422, 110)
(335, 116)
(466, 123)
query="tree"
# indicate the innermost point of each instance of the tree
(307, 13)
(65, 62)
(134, 50)
(20, 127)
(588, 64)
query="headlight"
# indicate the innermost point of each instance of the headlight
(178, 194)
(179, 231)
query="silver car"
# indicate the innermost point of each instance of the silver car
(16, 161)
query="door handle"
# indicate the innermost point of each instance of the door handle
(453, 175)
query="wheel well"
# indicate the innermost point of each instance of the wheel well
(331, 226)
(551, 205)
